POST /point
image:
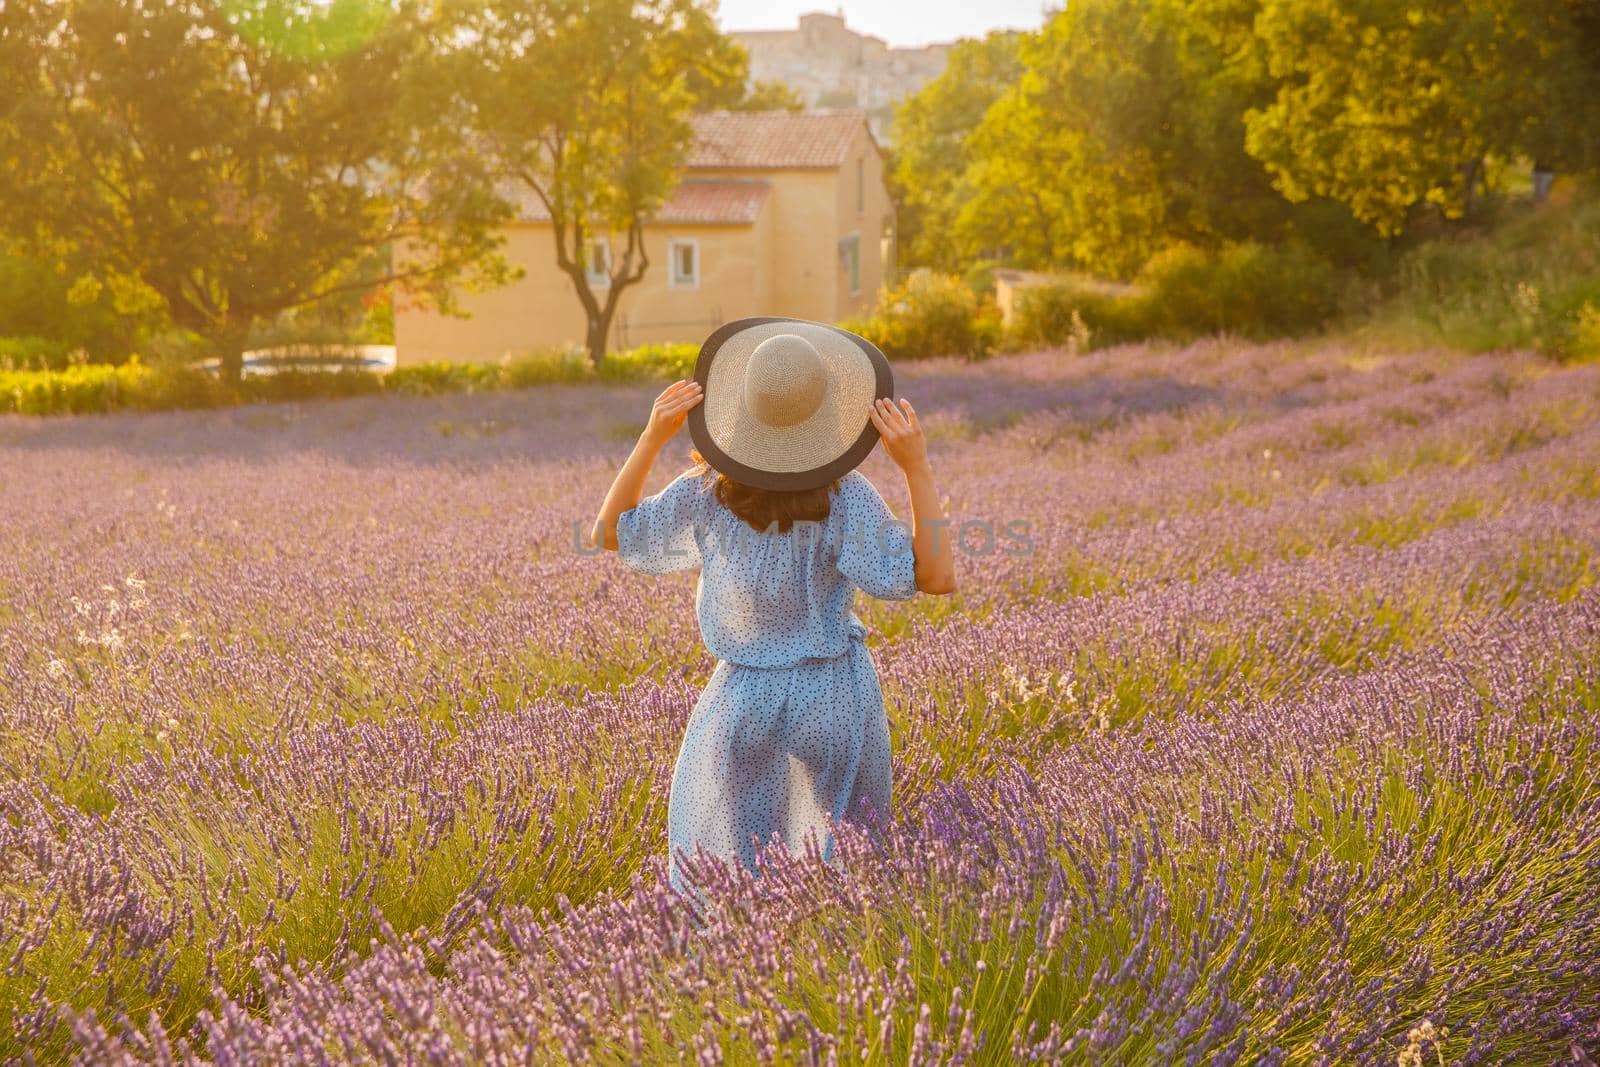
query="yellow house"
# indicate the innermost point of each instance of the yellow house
(778, 213)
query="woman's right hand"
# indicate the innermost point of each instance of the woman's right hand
(670, 410)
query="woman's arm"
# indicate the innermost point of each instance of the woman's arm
(902, 438)
(667, 416)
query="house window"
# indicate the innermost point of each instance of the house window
(861, 186)
(597, 263)
(850, 260)
(683, 264)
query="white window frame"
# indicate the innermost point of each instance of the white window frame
(598, 279)
(674, 279)
(849, 241)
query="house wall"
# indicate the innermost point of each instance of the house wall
(787, 263)
(735, 276)
(766, 244)
(867, 216)
(805, 254)
(805, 266)
(542, 309)
(812, 212)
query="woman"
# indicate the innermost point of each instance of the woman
(790, 733)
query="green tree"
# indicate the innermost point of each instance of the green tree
(1124, 135)
(932, 154)
(1112, 133)
(228, 161)
(1012, 203)
(839, 98)
(584, 106)
(769, 96)
(51, 311)
(1387, 106)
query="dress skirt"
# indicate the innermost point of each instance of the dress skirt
(780, 752)
(789, 736)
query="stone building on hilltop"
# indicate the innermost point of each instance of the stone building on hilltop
(830, 65)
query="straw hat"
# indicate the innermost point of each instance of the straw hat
(785, 401)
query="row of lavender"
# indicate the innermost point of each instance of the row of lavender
(1411, 851)
(249, 723)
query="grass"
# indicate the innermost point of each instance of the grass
(1533, 281)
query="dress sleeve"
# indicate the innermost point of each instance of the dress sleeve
(875, 548)
(658, 535)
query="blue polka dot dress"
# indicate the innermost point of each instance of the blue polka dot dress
(790, 732)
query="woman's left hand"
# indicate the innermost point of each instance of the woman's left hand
(671, 408)
(901, 433)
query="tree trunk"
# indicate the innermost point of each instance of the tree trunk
(230, 351)
(599, 328)
(1472, 170)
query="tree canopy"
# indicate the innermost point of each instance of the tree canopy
(585, 106)
(227, 161)
(932, 129)
(222, 165)
(1123, 127)
(767, 96)
(1385, 107)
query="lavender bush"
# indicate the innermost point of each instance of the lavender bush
(320, 742)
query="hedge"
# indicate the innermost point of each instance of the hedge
(135, 386)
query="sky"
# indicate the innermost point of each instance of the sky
(900, 22)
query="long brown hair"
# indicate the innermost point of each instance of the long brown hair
(761, 508)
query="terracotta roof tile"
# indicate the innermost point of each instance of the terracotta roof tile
(775, 140)
(695, 202)
(714, 202)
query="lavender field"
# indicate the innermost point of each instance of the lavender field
(320, 742)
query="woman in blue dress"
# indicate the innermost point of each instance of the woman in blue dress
(790, 734)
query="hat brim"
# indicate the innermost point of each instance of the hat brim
(814, 477)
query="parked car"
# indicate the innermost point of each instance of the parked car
(377, 359)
